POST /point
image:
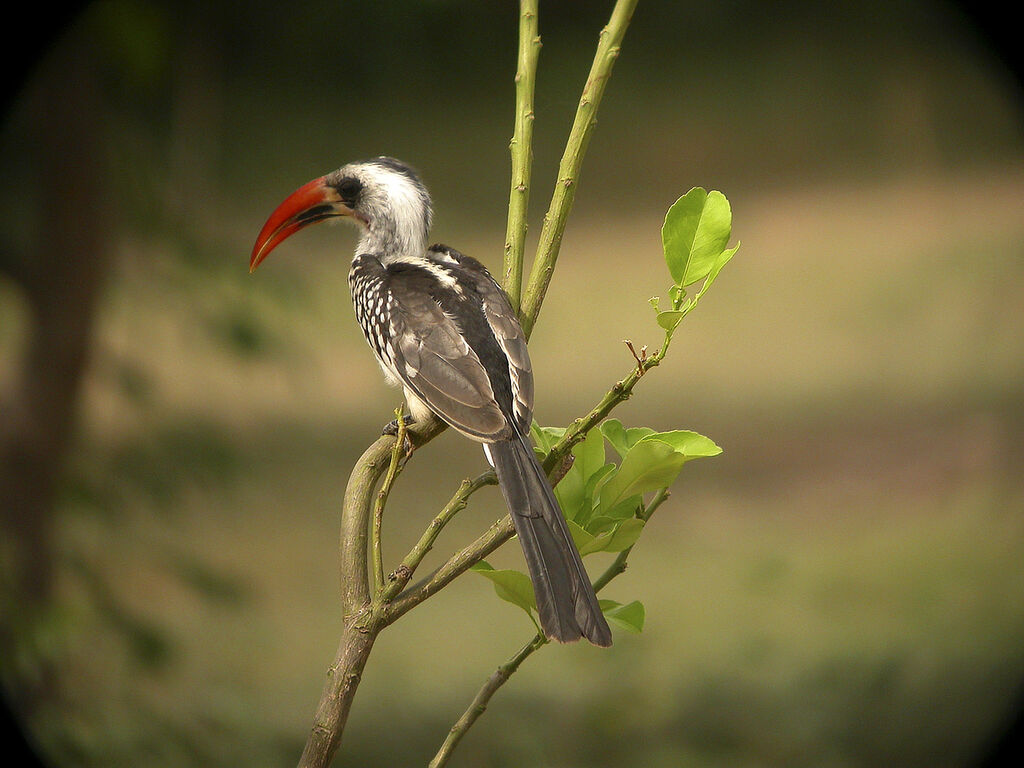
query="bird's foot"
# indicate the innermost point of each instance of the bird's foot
(391, 428)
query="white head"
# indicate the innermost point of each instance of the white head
(388, 199)
(383, 195)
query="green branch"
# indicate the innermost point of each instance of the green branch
(499, 532)
(394, 467)
(551, 232)
(360, 624)
(401, 576)
(621, 391)
(521, 149)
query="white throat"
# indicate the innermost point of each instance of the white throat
(397, 218)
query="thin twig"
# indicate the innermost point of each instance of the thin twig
(499, 532)
(483, 696)
(401, 576)
(394, 467)
(621, 391)
(502, 674)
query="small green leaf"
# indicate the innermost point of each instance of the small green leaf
(596, 544)
(622, 439)
(571, 491)
(510, 585)
(625, 535)
(593, 483)
(598, 479)
(670, 319)
(615, 434)
(581, 538)
(690, 444)
(602, 524)
(677, 293)
(622, 536)
(607, 516)
(629, 617)
(546, 437)
(571, 499)
(696, 230)
(720, 261)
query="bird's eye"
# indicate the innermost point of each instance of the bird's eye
(349, 189)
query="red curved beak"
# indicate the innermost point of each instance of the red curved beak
(309, 204)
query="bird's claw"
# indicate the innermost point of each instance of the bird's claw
(391, 428)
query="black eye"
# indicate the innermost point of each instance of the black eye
(349, 189)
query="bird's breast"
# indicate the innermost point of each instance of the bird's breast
(372, 303)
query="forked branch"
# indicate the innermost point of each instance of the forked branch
(366, 612)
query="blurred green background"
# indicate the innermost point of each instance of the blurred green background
(842, 587)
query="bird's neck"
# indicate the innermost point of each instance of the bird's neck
(396, 225)
(389, 241)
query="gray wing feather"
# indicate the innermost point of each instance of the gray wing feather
(509, 333)
(434, 361)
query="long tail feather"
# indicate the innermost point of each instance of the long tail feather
(566, 601)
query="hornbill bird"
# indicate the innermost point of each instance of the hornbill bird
(444, 330)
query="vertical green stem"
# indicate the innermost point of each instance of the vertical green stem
(521, 149)
(551, 233)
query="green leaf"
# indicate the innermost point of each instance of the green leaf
(690, 444)
(629, 617)
(625, 535)
(720, 261)
(589, 454)
(696, 230)
(671, 318)
(622, 439)
(546, 437)
(615, 434)
(570, 495)
(648, 466)
(606, 517)
(580, 537)
(677, 293)
(510, 585)
(571, 491)
(593, 483)
(620, 537)
(596, 544)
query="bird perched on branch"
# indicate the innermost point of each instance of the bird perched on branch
(444, 331)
